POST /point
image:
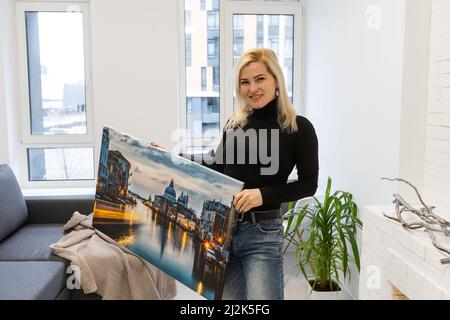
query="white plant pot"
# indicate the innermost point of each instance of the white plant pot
(324, 295)
(327, 295)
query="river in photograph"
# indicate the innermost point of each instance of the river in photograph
(165, 245)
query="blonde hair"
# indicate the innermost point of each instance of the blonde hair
(286, 112)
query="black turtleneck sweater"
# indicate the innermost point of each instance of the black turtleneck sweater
(298, 149)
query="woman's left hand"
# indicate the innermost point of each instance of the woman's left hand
(247, 199)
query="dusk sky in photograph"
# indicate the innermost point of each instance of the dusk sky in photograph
(153, 169)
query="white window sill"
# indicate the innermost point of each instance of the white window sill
(35, 192)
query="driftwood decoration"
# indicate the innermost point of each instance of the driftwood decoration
(428, 220)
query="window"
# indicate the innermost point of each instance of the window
(213, 20)
(260, 31)
(268, 34)
(204, 78)
(274, 33)
(211, 50)
(60, 164)
(212, 105)
(188, 50)
(246, 24)
(188, 39)
(56, 111)
(238, 43)
(213, 38)
(202, 70)
(216, 79)
(215, 4)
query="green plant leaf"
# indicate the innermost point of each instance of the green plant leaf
(355, 250)
(288, 228)
(333, 223)
(343, 242)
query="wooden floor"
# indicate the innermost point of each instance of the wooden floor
(295, 285)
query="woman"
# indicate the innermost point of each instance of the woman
(256, 263)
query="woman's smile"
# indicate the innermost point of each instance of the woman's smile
(257, 85)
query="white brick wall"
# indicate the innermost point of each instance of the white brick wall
(437, 148)
(405, 259)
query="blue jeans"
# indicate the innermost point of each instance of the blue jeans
(255, 270)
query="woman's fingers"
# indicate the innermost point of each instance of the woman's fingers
(154, 144)
(247, 199)
(247, 206)
(237, 198)
(242, 204)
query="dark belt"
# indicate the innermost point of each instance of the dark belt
(256, 216)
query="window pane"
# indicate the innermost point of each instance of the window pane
(275, 32)
(238, 36)
(56, 72)
(203, 114)
(202, 68)
(60, 164)
(188, 31)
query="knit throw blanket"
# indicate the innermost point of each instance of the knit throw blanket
(107, 268)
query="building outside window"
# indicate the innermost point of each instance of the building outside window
(203, 121)
(274, 33)
(260, 31)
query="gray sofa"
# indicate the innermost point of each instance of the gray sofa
(28, 268)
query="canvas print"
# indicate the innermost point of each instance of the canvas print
(172, 212)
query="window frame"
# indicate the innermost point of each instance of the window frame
(27, 139)
(75, 146)
(262, 8)
(226, 89)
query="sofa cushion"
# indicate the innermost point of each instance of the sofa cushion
(31, 242)
(32, 280)
(13, 209)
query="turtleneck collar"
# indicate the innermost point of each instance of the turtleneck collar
(270, 110)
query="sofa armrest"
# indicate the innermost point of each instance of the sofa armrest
(57, 209)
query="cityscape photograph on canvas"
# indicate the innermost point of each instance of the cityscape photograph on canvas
(172, 212)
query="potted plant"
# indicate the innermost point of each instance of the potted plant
(331, 226)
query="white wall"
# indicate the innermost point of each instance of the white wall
(9, 139)
(365, 89)
(4, 154)
(353, 92)
(415, 95)
(437, 156)
(366, 92)
(134, 58)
